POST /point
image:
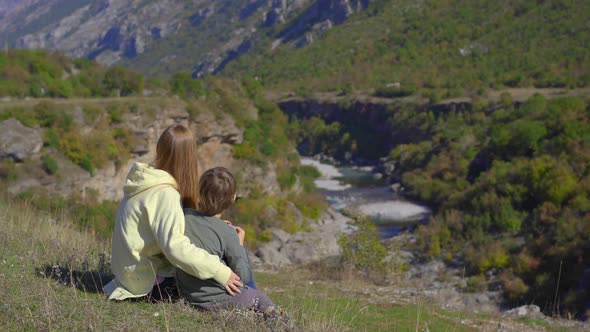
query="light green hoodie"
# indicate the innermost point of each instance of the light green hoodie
(149, 240)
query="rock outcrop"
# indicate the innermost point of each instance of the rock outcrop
(17, 141)
(215, 135)
(321, 242)
(319, 17)
(105, 31)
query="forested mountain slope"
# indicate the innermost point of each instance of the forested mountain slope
(440, 44)
(451, 46)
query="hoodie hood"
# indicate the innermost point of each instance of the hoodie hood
(142, 177)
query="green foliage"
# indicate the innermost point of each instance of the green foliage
(363, 248)
(122, 82)
(92, 114)
(40, 73)
(476, 283)
(286, 178)
(89, 149)
(315, 136)
(49, 164)
(52, 138)
(310, 204)
(514, 286)
(412, 156)
(346, 89)
(116, 113)
(307, 175)
(497, 177)
(8, 170)
(184, 85)
(24, 116)
(266, 137)
(460, 46)
(259, 212)
(395, 91)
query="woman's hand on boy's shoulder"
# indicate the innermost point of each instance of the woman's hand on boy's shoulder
(241, 234)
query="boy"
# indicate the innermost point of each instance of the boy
(205, 229)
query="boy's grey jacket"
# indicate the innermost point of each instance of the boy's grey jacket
(218, 238)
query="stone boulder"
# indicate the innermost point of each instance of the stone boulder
(319, 243)
(18, 142)
(524, 311)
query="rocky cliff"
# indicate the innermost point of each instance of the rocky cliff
(216, 135)
(368, 120)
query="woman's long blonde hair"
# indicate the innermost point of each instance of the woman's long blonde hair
(176, 153)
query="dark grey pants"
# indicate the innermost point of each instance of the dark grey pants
(249, 298)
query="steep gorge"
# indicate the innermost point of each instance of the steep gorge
(371, 122)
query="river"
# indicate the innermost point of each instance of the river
(348, 187)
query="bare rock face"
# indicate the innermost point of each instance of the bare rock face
(17, 141)
(215, 134)
(129, 31)
(320, 16)
(524, 311)
(106, 31)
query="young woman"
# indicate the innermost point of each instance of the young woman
(148, 239)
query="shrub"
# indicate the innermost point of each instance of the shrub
(92, 114)
(49, 164)
(246, 150)
(184, 85)
(52, 138)
(476, 283)
(7, 170)
(434, 97)
(46, 113)
(286, 177)
(307, 175)
(310, 204)
(506, 100)
(514, 286)
(363, 249)
(395, 92)
(118, 81)
(116, 113)
(485, 257)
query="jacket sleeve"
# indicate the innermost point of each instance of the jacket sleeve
(235, 256)
(166, 220)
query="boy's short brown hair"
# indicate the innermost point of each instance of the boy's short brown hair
(217, 188)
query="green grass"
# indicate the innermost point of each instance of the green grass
(51, 274)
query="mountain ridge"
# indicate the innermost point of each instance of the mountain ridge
(163, 37)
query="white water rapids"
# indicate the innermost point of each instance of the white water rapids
(373, 200)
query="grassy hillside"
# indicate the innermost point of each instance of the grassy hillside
(51, 275)
(449, 46)
(43, 73)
